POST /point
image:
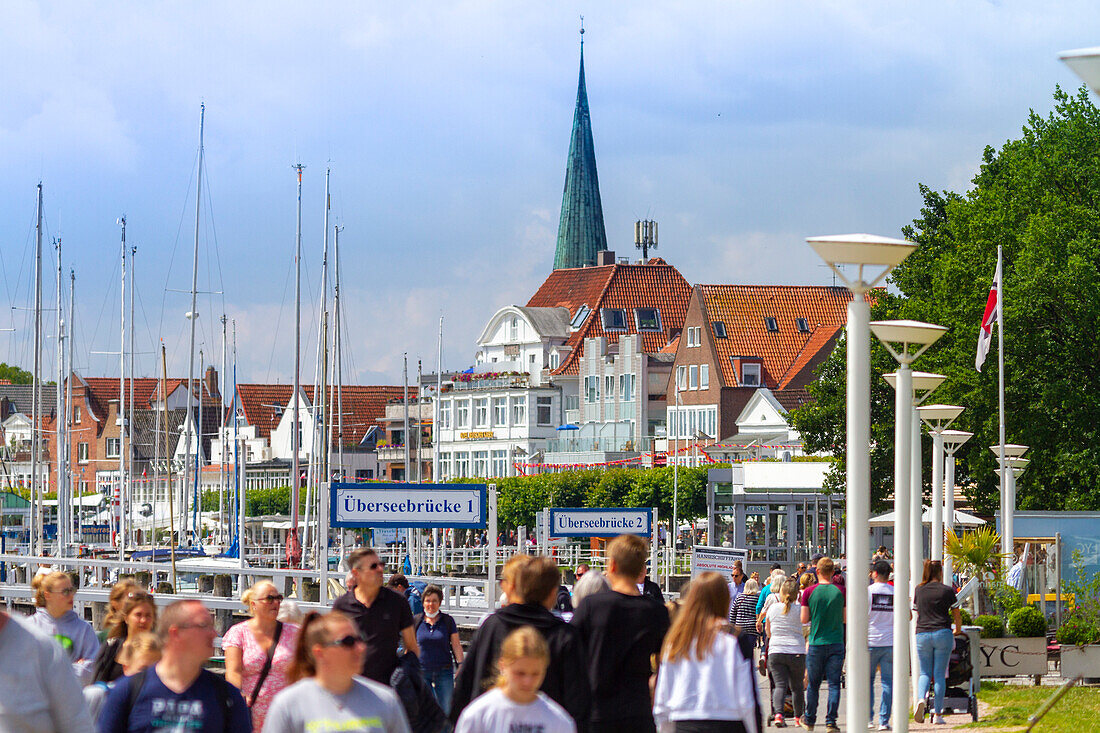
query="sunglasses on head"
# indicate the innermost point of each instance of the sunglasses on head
(348, 642)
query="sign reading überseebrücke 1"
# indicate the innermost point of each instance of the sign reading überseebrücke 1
(717, 559)
(600, 522)
(408, 505)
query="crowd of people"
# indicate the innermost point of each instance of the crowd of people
(607, 655)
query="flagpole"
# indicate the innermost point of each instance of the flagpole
(1006, 539)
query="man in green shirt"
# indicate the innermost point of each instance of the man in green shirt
(823, 610)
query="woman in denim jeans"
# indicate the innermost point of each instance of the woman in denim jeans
(437, 635)
(935, 604)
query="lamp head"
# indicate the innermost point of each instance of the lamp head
(1012, 450)
(922, 381)
(908, 334)
(861, 250)
(939, 416)
(1085, 62)
(955, 438)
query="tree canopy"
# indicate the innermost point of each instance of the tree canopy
(1038, 197)
(14, 374)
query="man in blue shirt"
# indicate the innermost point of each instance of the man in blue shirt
(177, 694)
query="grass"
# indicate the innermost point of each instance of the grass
(1078, 710)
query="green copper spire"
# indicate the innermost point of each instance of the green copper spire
(580, 230)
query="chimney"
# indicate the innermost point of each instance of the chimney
(605, 257)
(211, 380)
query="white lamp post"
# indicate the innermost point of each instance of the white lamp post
(878, 256)
(914, 338)
(938, 418)
(1013, 456)
(1085, 62)
(952, 441)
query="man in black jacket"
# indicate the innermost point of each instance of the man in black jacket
(566, 681)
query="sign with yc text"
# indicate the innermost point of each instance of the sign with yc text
(600, 522)
(408, 505)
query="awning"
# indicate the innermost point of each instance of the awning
(962, 519)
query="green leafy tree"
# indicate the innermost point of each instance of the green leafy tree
(1039, 198)
(14, 374)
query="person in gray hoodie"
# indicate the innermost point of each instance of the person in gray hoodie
(53, 594)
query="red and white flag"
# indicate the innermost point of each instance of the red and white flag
(992, 315)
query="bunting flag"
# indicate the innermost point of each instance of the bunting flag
(992, 314)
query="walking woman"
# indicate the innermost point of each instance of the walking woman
(327, 692)
(136, 613)
(935, 604)
(440, 647)
(786, 652)
(705, 683)
(743, 615)
(119, 593)
(258, 652)
(53, 594)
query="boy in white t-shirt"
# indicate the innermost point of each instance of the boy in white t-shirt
(516, 703)
(880, 638)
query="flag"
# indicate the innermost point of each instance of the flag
(992, 314)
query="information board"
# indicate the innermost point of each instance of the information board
(408, 505)
(600, 522)
(717, 559)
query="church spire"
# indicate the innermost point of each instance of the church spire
(580, 230)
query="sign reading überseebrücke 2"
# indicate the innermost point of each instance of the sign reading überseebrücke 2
(600, 522)
(408, 505)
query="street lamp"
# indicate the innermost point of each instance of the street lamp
(914, 338)
(952, 441)
(1085, 62)
(1013, 455)
(938, 418)
(878, 256)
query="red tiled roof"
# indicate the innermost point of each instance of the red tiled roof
(363, 406)
(783, 353)
(793, 398)
(655, 284)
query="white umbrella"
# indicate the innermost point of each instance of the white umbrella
(962, 519)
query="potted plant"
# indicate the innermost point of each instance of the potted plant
(1079, 634)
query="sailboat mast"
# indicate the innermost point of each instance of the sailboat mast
(37, 539)
(196, 505)
(222, 473)
(130, 421)
(293, 545)
(64, 524)
(193, 315)
(70, 478)
(435, 412)
(338, 355)
(122, 523)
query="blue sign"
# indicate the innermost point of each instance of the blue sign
(408, 505)
(600, 522)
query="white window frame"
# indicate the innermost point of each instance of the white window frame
(519, 411)
(541, 403)
(704, 376)
(513, 329)
(626, 388)
(498, 462)
(638, 319)
(81, 452)
(609, 387)
(681, 378)
(693, 376)
(445, 414)
(113, 447)
(462, 413)
(756, 372)
(500, 411)
(555, 360)
(481, 412)
(591, 389)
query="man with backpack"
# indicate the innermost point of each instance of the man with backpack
(177, 693)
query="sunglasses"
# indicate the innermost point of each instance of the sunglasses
(271, 599)
(65, 591)
(373, 566)
(348, 642)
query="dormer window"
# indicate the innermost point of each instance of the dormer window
(555, 360)
(719, 329)
(750, 375)
(771, 324)
(647, 319)
(614, 319)
(802, 325)
(513, 329)
(579, 316)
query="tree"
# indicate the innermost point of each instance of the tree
(1038, 198)
(14, 374)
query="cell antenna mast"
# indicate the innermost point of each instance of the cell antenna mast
(645, 237)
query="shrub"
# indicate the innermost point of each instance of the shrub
(966, 618)
(992, 626)
(1077, 630)
(1027, 622)
(1005, 597)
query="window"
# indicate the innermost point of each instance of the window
(462, 464)
(693, 377)
(771, 324)
(481, 463)
(83, 487)
(572, 402)
(609, 387)
(579, 317)
(626, 388)
(647, 319)
(802, 325)
(681, 378)
(81, 452)
(555, 360)
(519, 411)
(750, 375)
(532, 358)
(362, 474)
(113, 447)
(445, 414)
(704, 376)
(500, 463)
(462, 413)
(719, 329)
(513, 329)
(542, 414)
(481, 412)
(614, 319)
(500, 411)
(694, 336)
(76, 413)
(591, 389)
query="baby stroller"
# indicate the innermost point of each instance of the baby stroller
(962, 680)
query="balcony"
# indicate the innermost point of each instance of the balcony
(392, 453)
(491, 381)
(612, 444)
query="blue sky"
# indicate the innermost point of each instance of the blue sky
(741, 127)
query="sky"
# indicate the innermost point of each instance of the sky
(741, 127)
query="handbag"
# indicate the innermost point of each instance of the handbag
(267, 664)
